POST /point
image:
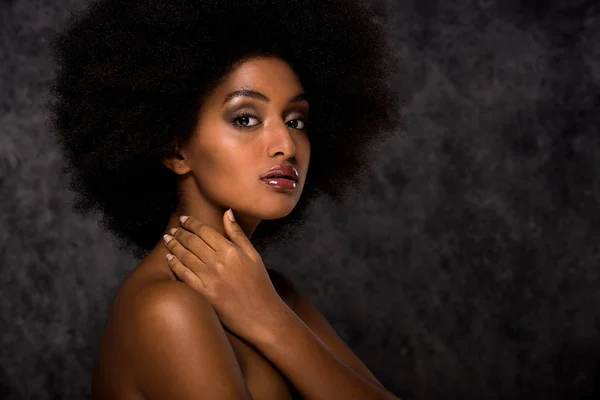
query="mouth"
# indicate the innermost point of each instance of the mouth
(281, 177)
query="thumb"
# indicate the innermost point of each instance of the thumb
(236, 234)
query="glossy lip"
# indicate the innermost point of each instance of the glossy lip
(276, 184)
(283, 171)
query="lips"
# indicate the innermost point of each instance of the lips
(282, 171)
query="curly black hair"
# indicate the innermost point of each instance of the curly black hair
(131, 76)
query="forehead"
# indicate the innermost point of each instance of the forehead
(262, 73)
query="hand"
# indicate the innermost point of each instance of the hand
(229, 273)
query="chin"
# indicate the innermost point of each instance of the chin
(265, 210)
(276, 214)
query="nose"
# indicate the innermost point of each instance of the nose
(280, 141)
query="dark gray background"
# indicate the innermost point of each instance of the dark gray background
(468, 267)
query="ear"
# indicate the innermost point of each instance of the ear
(176, 162)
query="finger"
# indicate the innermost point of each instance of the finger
(185, 256)
(185, 274)
(194, 243)
(237, 235)
(207, 233)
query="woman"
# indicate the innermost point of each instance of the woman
(190, 126)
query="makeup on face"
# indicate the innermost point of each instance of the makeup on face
(281, 176)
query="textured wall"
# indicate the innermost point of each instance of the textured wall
(468, 268)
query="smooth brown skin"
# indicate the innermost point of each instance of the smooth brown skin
(162, 339)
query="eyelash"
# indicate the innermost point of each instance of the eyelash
(250, 115)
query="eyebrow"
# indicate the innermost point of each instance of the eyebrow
(259, 96)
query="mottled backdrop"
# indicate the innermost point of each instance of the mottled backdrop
(467, 268)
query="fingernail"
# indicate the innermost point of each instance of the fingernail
(173, 231)
(167, 238)
(183, 218)
(169, 257)
(230, 215)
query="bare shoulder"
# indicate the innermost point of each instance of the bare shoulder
(169, 334)
(172, 296)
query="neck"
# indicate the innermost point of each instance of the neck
(194, 204)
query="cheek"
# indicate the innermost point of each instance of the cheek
(225, 171)
(303, 152)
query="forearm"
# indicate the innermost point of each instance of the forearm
(309, 365)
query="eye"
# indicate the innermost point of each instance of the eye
(244, 120)
(299, 124)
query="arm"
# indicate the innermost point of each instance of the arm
(313, 357)
(246, 301)
(178, 348)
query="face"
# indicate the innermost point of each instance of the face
(240, 135)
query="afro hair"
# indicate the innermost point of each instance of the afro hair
(131, 76)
